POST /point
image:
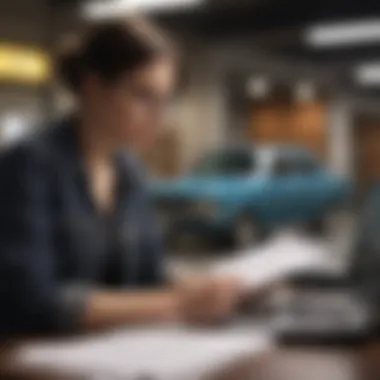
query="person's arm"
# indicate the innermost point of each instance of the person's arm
(106, 309)
(32, 298)
(200, 301)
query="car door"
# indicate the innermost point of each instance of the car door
(236, 168)
(312, 183)
(287, 189)
(321, 185)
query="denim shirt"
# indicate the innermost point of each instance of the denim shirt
(54, 246)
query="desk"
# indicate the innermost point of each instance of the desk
(361, 363)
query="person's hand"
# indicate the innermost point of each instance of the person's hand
(209, 300)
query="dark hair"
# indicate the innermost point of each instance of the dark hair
(109, 50)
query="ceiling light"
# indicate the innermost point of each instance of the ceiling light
(95, 9)
(368, 74)
(23, 64)
(258, 87)
(343, 33)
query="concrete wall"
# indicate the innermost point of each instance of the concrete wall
(341, 137)
(202, 112)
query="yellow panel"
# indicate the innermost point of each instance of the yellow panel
(23, 64)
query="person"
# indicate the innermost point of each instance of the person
(79, 247)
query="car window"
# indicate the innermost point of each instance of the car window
(225, 163)
(283, 166)
(295, 164)
(306, 164)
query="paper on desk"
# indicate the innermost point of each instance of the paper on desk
(166, 353)
(285, 255)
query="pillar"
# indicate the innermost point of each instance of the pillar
(202, 113)
(340, 138)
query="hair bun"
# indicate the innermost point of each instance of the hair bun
(109, 50)
(70, 65)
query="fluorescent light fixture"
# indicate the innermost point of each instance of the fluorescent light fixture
(344, 33)
(368, 74)
(258, 87)
(23, 64)
(96, 10)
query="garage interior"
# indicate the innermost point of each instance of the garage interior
(253, 76)
(293, 76)
(250, 72)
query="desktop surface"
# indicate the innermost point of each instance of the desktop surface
(279, 363)
(305, 363)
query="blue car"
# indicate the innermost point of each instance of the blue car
(238, 194)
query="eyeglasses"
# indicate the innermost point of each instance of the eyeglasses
(149, 99)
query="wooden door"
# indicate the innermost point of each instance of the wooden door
(367, 139)
(290, 123)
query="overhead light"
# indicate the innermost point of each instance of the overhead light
(258, 87)
(14, 127)
(23, 64)
(96, 9)
(344, 33)
(368, 74)
(304, 91)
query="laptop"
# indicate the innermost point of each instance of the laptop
(323, 308)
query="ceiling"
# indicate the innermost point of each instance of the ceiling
(275, 26)
(283, 19)
(276, 22)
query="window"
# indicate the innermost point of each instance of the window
(283, 166)
(225, 163)
(306, 164)
(295, 164)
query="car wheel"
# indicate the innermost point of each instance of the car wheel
(246, 232)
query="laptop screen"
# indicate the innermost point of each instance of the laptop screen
(365, 258)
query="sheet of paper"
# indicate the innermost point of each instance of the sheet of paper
(284, 255)
(166, 353)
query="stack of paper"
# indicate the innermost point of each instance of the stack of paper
(285, 255)
(166, 353)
